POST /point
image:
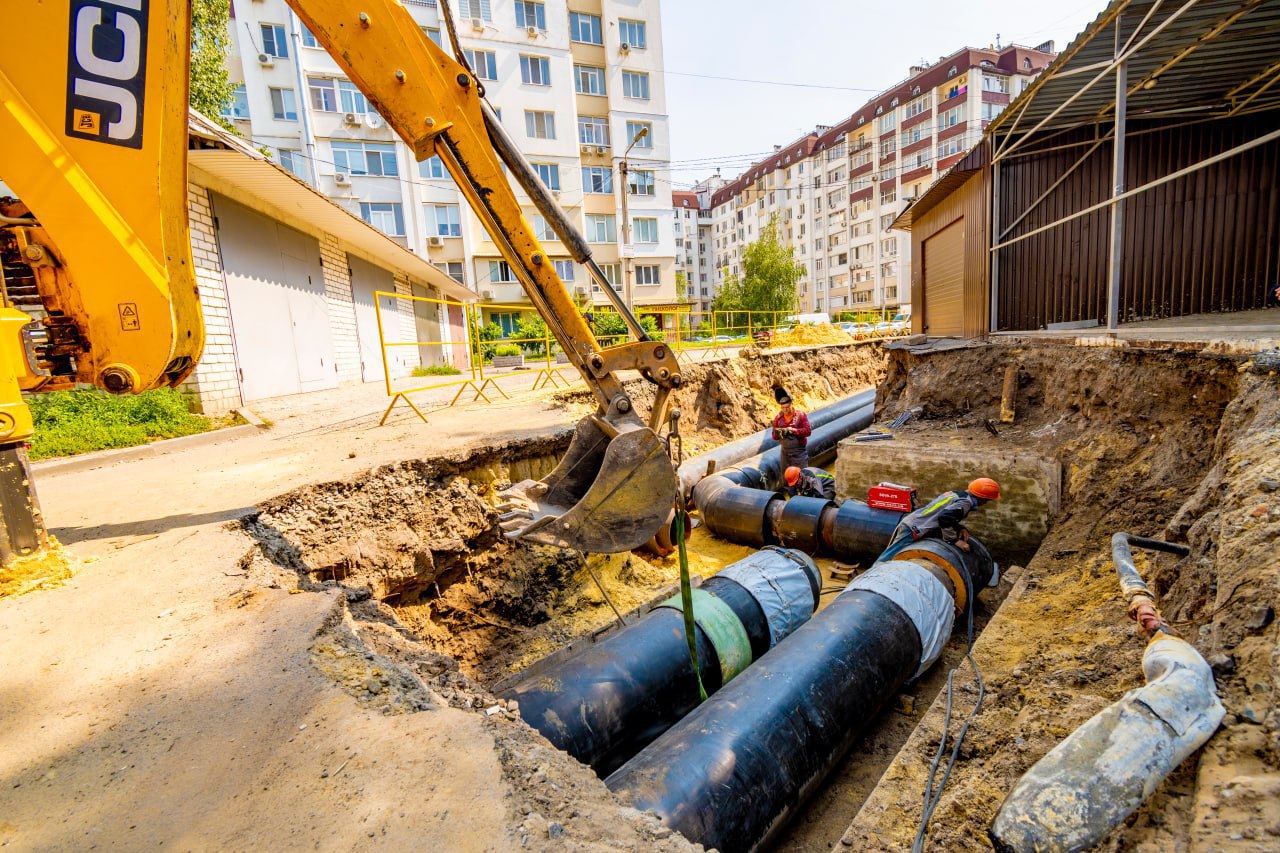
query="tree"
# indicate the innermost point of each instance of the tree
(682, 285)
(610, 329)
(770, 274)
(532, 327)
(211, 86)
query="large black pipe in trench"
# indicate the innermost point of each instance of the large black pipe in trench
(742, 504)
(607, 702)
(731, 773)
(695, 468)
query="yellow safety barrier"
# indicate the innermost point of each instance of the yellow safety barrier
(397, 394)
(676, 336)
(739, 328)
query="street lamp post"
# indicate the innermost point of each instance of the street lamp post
(627, 249)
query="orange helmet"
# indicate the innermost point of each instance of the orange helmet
(985, 488)
(791, 475)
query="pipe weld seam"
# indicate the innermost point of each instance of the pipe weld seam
(920, 595)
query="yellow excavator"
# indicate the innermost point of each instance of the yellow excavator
(97, 279)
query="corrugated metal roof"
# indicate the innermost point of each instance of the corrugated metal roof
(239, 171)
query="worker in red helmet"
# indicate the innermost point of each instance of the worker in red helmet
(943, 517)
(809, 483)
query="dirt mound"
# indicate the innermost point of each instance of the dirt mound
(809, 335)
(1173, 444)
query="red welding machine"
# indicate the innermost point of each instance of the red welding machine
(892, 496)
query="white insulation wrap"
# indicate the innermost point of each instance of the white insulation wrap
(778, 580)
(921, 595)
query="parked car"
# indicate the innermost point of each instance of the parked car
(900, 324)
(858, 330)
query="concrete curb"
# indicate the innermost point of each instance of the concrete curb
(102, 458)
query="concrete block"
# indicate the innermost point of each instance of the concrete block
(1013, 527)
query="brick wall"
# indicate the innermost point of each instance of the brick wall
(214, 386)
(340, 300)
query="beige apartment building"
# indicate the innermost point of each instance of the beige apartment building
(836, 190)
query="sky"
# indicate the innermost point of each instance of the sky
(843, 51)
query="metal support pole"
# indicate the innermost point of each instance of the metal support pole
(1117, 209)
(995, 255)
(626, 238)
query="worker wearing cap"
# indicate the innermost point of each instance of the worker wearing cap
(943, 517)
(791, 430)
(810, 483)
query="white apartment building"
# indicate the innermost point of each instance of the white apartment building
(694, 259)
(573, 82)
(837, 190)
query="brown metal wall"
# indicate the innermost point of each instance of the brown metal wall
(1204, 243)
(970, 202)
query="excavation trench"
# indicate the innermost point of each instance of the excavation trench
(416, 548)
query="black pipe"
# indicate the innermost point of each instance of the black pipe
(695, 468)
(731, 773)
(741, 504)
(607, 702)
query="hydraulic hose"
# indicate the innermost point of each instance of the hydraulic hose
(695, 468)
(730, 773)
(1092, 781)
(742, 504)
(607, 702)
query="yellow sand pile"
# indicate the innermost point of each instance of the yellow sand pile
(811, 335)
(52, 567)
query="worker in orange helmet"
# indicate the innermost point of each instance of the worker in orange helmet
(809, 483)
(943, 517)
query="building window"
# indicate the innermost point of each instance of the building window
(387, 217)
(541, 229)
(445, 220)
(990, 111)
(433, 33)
(886, 221)
(950, 118)
(648, 275)
(483, 62)
(351, 99)
(284, 104)
(951, 146)
(632, 34)
(995, 83)
(323, 94)
(888, 196)
(887, 122)
(585, 28)
(613, 275)
(564, 269)
(646, 229)
(453, 269)
(593, 130)
(530, 14)
(535, 70)
(308, 37)
(889, 246)
(597, 180)
(291, 159)
(602, 228)
(365, 158)
(919, 105)
(588, 80)
(890, 292)
(889, 270)
(912, 135)
(238, 106)
(500, 273)
(274, 41)
(635, 84)
(640, 182)
(508, 321)
(432, 167)
(888, 146)
(475, 9)
(633, 132)
(549, 174)
(539, 125)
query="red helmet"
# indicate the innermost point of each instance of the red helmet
(791, 475)
(985, 488)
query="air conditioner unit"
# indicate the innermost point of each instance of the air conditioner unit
(341, 179)
(624, 47)
(533, 32)
(266, 60)
(602, 149)
(435, 242)
(587, 149)
(477, 24)
(486, 294)
(350, 118)
(580, 291)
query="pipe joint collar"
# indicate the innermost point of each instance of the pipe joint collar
(723, 629)
(920, 595)
(783, 583)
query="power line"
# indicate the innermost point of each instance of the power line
(772, 82)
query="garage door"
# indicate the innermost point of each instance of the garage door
(944, 281)
(366, 279)
(275, 291)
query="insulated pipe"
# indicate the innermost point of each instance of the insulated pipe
(606, 703)
(731, 773)
(1092, 781)
(695, 468)
(741, 504)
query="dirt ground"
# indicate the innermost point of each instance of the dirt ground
(1177, 445)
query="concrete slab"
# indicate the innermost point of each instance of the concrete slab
(1012, 527)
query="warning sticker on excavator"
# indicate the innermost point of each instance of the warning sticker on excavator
(129, 320)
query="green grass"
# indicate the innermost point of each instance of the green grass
(436, 370)
(71, 422)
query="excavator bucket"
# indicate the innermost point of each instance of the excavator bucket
(612, 492)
